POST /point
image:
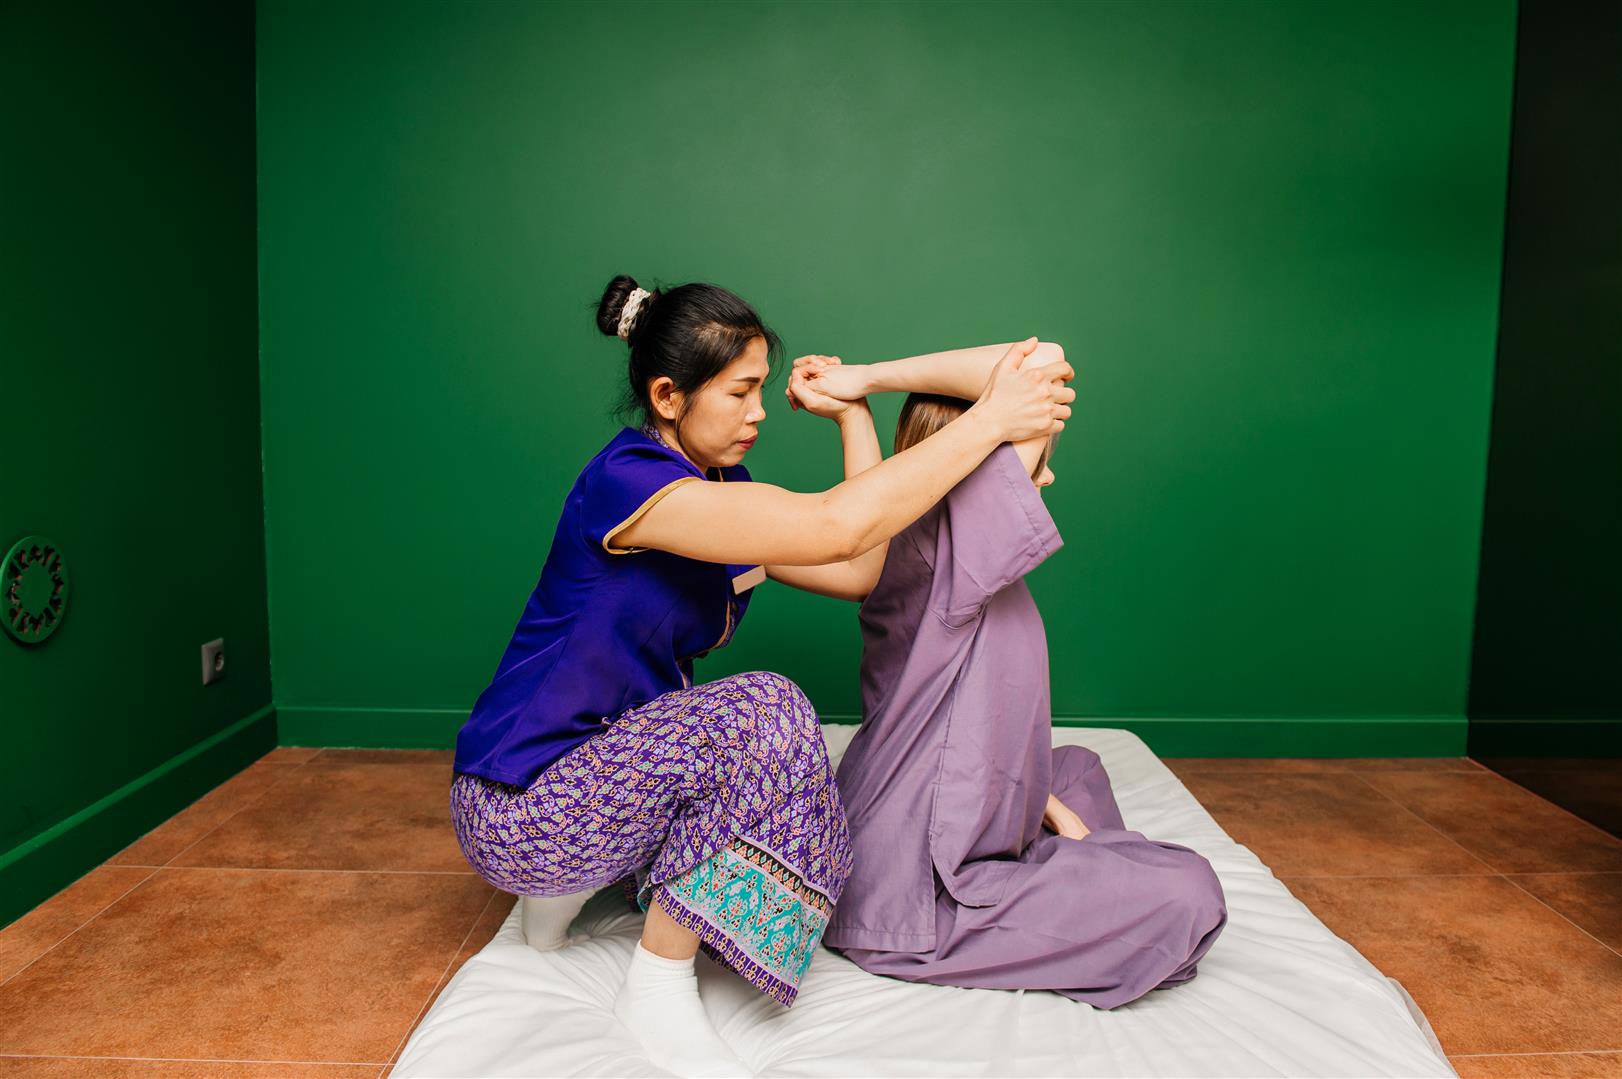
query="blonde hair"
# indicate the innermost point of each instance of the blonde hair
(922, 414)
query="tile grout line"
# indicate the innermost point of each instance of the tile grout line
(1548, 1053)
(287, 766)
(118, 899)
(1500, 873)
(1477, 857)
(305, 869)
(423, 1010)
(187, 1060)
(1555, 805)
(286, 769)
(290, 767)
(151, 871)
(1491, 869)
(1580, 929)
(1566, 872)
(1488, 873)
(1552, 805)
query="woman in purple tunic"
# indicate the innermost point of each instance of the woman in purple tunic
(592, 757)
(984, 855)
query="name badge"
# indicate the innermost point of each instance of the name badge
(743, 582)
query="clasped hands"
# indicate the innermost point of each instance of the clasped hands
(1026, 400)
(824, 387)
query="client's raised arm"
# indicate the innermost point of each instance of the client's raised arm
(853, 578)
(758, 523)
(959, 372)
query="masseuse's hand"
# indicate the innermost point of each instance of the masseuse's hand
(833, 378)
(806, 388)
(1024, 402)
(1063, 820)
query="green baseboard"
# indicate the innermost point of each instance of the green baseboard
(1171, 736)
(43, 865)
(369, 728)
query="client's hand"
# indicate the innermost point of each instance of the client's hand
(1061, 819)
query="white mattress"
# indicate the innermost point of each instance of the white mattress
(1277, 994)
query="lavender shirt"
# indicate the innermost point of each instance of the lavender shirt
(950, 629)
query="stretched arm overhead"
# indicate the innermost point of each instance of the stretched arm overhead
(764, 524)
(852, 579)
(960, 372)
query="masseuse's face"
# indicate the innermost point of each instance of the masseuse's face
(724, 415)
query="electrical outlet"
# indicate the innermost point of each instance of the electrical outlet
(214, 661)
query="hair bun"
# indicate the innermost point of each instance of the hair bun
(635, 303)
(623, 307)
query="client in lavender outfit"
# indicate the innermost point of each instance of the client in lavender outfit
(984, 855)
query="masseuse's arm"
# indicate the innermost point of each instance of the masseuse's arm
(762, 524)
(855, 578)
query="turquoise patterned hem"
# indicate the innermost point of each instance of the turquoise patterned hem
(751, 912)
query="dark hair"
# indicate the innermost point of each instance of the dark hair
(688, 334)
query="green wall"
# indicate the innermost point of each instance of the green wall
(1268, 235)
(130, 395)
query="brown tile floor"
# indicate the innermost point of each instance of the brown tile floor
(298, 920)
(1499, 911)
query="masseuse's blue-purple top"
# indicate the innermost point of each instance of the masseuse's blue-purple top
(607, 627)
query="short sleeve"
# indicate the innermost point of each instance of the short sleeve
(622, 485)
(995, 528)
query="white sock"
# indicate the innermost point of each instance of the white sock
(546, 920)
(659, 1003)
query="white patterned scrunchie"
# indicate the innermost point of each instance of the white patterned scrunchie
(632, 306)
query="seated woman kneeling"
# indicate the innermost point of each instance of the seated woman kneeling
(984, 855)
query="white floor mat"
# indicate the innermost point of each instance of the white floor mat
(1278, 994)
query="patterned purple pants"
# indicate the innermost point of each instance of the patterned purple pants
(718, 801)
